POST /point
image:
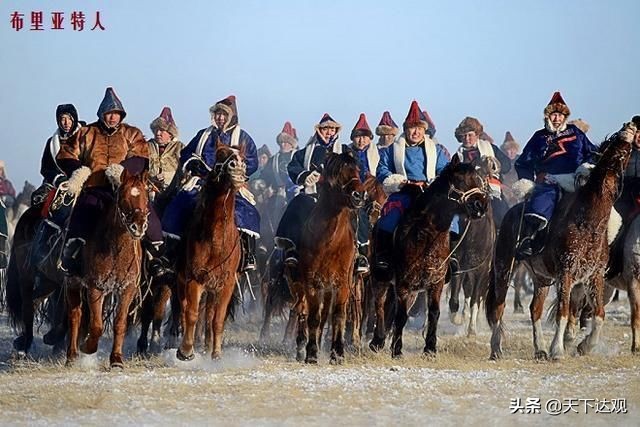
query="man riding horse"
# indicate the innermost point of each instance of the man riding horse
(94, 162)
(197, 159)
(551, 158)
(304, 170)
(164, 152)
(386, 130)
(405, 167)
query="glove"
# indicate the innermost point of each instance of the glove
(77, 179)
(312, 179)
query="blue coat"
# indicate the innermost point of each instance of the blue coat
(387, 165)
(299, 170)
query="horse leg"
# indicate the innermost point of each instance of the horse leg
(338, 322)
(518, 282)
(302, 337)
(96, 326)
(405, 301)
(190, 308)
(224, 298)
(597, 297)
(357, 302)
(535, 309)
(369, 318)
(574, 309)
(324, 316)
(379, 332)
(314, 306)
(475, 305)
(202, 326)
(160, 298)
(177, 320)
(210, 312)
(120, 326)
(146, 316)
(23, 343)
(75, 316)
(431, 338)
(562, 316)
(265, 331)
(495, 305)
(454, 300)
(633, 292)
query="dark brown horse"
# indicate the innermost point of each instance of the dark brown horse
(576, 252)
(422, 252)
(212, 253)
(113, 260)
(324, 278)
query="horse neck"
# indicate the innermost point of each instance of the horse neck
(332, 202)
(437, 210)
(597, 185)
(219, 204)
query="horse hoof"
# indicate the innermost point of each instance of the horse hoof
(583, 349)
(71, 361)
(376, 346)
(541, 355)
(429, 353)
(311, 360)
(300, 356)
(396, 355)
(495, 355)
(117, 366)
(20, 344)
(183, 357)
(54, 336)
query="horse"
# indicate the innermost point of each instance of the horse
(17, 207)
(575, 252)
(113, 265)
(475, 257)
(324, 277)
(213, 253)
(422, 252)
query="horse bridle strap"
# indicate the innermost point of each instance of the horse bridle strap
(463, 196)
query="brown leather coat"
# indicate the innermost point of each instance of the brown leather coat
(97, 149)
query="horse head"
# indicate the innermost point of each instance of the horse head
(230, 168)
(375, 198)
(133, 202)
(466, 188)
(340, 180)
(614, 155)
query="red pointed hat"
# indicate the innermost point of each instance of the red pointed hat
(165, 122)
(327, 122)
(415, 117)
(557, 105)
(386, 126)
(288, 134)
(361, 128)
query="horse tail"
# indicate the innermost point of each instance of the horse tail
(14, 296)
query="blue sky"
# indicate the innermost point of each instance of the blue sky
(499, 61)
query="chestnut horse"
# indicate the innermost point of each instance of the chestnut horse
(325, 273)
(213, 252)
(422, 252)
(113, 264)
(576, 252)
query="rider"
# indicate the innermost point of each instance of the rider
(386, 130)
(368, 158)
(304, 170)
(55, 215)
(94, 162)
(275, 173)
(412, 161)
(164, 151)
(197, 158)
(552, 154)
(469, 134)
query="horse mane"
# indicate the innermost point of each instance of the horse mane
(606, 153)
(333, 166)
(440, 185)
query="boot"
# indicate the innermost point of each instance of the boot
(362, 262)
(527, 245)
(383, 268)
(4, 259)
(159, 265)
(71, 263)
(43, 242)
(248, 252)
(290, 253)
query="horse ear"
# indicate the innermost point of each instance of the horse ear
(219, 143)
(455, 160)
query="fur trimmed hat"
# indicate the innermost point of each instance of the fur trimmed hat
(288, 134)
(386, 126)
(509, 142)
(228, 105)
(636, 121)
(557, 105)
(580, 124)
(165, 122)
(361, 128)
(264, 150)
(327, 122)
(415, 117)
(468, 124)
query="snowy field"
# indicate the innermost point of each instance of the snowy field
(266, 386)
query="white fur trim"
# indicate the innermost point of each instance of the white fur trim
(113, 173)
(614, 225)
(484, 147)
(373, 157)
(392, 183)
(430, 153)
(247, 195)
(522, 188)
(77, 180)
(582, 174)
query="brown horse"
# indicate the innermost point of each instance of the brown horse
(422, 252)
(576, 252)
(324, 276)
(113, 260)
(212, 253)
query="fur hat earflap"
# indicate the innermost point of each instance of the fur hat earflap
(165, 122)
(327, 122)
(510, 142)
(557, 105)
(415, 117)
(468, 124)
(113, 172)
(361, 128)
(386, 126)
(580, 124)
(288, 134)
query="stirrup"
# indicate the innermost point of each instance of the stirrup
(362, 264)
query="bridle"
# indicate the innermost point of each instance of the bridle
(125, 218)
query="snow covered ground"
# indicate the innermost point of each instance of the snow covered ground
(265, 386)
